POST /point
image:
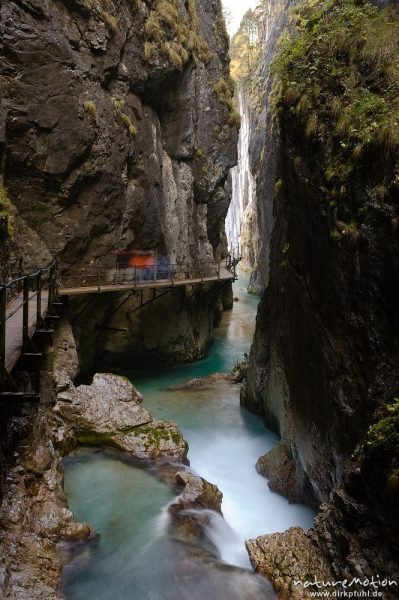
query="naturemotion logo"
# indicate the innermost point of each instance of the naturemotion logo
(356, 587)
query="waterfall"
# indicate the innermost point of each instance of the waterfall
(243, 185)
(227, 542)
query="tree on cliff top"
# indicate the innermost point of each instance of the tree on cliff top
(246, 46)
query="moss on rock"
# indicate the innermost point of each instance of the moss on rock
(174, 33)
(382, 442)
(337, 82)
(5, 211)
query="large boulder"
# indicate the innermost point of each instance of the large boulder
(290, 560)
(109, 412)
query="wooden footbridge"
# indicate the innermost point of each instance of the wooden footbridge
(101, 279)
(29, 302)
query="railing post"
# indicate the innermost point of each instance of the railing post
(116, 273)
(56, 280)
(51, 285)
(98, 279)
(20, 273)
(25, 312)
(135, 276)
(3, 315)
(39, 299)
(171, 276)
(219, 270)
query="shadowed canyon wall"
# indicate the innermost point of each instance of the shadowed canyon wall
(323, 367)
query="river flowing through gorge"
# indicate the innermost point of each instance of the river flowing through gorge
(134, 556)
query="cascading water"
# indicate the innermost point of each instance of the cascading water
(240, 227)
(135, 556)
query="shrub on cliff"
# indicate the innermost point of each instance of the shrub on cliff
(174, 33)
(337, 77)
(382, 444)
(6, 226)
(225, 94)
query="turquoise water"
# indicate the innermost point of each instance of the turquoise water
(135, 556)
(225, 440)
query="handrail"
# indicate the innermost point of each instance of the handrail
(36, 282)
(100, 275)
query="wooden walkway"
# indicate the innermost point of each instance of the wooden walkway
(14, 325)
(24, 304)
(26, 300)
(124, 286)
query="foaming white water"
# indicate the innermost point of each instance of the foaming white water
(229, 462)
(160, 523)
(225, 440)
(224, 538)
(243, 183)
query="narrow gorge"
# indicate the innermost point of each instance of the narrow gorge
(199, 333)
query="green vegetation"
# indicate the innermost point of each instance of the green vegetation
(155, 435)
(219, 27)
(224, 92)
(239, 370)
(383, 440)
(129, 125)
(278, 186)
(345, 230)
(90, 108)
(174, 34)
(110, 21)
(126, 119)
(338, 73)
(5, 210)
(246, 47)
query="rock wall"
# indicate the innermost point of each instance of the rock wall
(325, 354)
(117, 130)
(38, 531)
(176, 327)
(264, 144)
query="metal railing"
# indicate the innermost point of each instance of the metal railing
(101, 275)
(21, 291)
(108, 273)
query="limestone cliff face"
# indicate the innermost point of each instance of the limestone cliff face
(83, 183)
(116, 134)
(325, 355)
(264, 145)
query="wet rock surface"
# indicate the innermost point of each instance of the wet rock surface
(325, 354)
(288, 557)
(284, 476)
(190, 510)
(109, 413)
(34, 516)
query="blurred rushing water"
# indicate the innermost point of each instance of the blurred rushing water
(135, 556)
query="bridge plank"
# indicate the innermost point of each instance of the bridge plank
(14, 326)
(225, 275)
